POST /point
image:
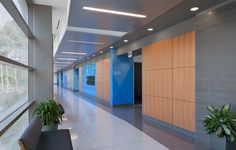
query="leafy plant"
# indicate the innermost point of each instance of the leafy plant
(50, 112)
(221, 122)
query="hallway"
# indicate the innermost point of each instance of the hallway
(93, 128)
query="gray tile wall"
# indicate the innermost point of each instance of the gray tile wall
(215, 62)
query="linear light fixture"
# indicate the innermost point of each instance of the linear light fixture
(85, 42)
(62, 63)
(96, 31)
(74, 53)
(66, 59)
(60, 66)
(114, 12)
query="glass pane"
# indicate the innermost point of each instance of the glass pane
(13, 88)
(13, 41)
(8, 141)
(22, 6)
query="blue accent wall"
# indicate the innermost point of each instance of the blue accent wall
(61, 79)
(64, 80)
(122, 79)
(58, 78)
(76, 79)
(88, 70)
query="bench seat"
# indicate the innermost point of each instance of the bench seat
(34, 139)
(55, 140)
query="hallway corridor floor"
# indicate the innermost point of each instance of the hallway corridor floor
(95, 127)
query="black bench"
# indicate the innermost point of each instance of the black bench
(34, 139)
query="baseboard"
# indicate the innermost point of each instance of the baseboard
(160, 124)
(95, 99)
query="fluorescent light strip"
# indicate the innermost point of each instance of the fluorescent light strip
(74, 53)
(66, 59)
(114, 12)
(62, 63)
(84, 42)
(96, 31)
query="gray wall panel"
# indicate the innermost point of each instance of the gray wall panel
(216, 62)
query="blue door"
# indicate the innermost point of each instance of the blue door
(76, 79)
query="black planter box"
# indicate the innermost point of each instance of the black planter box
(221, 143)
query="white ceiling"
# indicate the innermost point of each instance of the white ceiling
(59, 4)
(59, 8)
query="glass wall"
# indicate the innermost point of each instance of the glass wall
(13, 41)
(13, 88)
(13, 78)
(8, 141)
(22, 7)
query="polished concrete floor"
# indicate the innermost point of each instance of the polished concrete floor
(94, 126)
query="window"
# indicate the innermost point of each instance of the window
(13, 74)
(22, 6)
(13, 41)
(8, 141)
(13, 88)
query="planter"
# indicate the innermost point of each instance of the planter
(50, 128)
(221, 143)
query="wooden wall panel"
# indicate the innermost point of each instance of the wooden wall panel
(163, 109)
(169, 80)
(161, 55)
(184, 84)
(184, 114)
(161, 82)
(103, 79)
(157, 80)
(184, 50)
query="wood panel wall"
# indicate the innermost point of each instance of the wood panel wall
(103, 79)
(169, 81)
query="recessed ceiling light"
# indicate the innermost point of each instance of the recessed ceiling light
(194, 8)
(114, 12)
(210, 13)
(66, 59)
(111, 47)
(101, 52)
(86, 42)
(74, 53)
(126, 41)
(150, 29)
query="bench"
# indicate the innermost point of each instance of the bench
(35, 139)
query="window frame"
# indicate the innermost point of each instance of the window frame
(10, 119)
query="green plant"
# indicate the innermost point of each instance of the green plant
(50, 112)
(221, 122)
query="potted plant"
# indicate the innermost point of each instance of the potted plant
(222, 123)
(50, 113)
